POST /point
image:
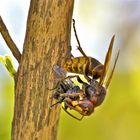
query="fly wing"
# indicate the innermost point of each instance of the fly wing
(107, 61)
(59, 72)
(111, 74)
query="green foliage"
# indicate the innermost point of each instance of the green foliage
(7, 62)
(6, 106)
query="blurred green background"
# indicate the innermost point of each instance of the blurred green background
(118, 118)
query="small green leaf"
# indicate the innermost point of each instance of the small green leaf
(1, 60)
(7, 62)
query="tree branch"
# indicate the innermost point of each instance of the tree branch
(10, 43)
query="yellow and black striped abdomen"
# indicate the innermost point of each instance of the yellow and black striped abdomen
(82, 65)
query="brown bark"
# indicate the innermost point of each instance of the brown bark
(46, 43)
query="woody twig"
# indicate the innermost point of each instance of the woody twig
(10, 43)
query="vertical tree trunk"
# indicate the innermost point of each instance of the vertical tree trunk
(46, 43)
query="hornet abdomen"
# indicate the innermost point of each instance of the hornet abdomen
(84, 65)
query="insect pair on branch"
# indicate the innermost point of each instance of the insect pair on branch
(92, 93)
